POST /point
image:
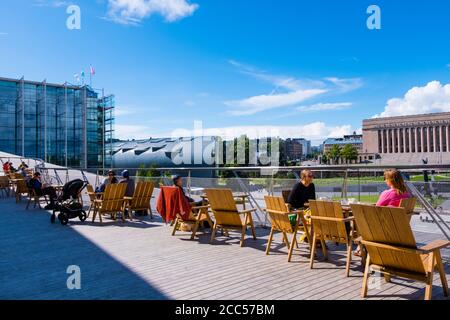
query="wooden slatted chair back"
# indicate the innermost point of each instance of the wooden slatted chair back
(224, 207)
(90, 191)
(13, 175)
(390, 226)
(333, 230)
(409, 204)
(142, 195)
(113, 197)
(4, 182)
(278, 213)
(285, 194)
(21, 187)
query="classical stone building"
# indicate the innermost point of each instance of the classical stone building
(408, 139)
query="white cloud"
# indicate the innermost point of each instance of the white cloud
(133, 11)
(264, 102)
(434, 97)
(287, 90)
(345, 85)
(325, 106)
(124, 131)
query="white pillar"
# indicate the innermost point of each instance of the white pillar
(388, 141)
(410, 139)
(382, 140)
(422, 140)
(440, 129)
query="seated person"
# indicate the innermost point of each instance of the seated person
(130, 183)
(6, 167)
(129, 192)
(41, 189)
(301, 193)
(22, 171)
(391, 197)
(397, 189)
(11, 168)
(111, 179)
(178, 182)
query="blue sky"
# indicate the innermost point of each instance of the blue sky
(296, 68)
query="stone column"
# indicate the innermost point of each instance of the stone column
(404, 141)
(410, 139)
(382, 140)
(388, 141)
(422, 140)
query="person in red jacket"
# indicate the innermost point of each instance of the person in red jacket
(6, 167)
(178, 182)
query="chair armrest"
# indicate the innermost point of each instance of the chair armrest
(435, 245)
(200, 207)
(333, 219)
(391, 247)
(246, 211)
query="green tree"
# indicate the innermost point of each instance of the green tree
(334, 153)
(349, 153)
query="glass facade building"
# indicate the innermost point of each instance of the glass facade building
(67, 125)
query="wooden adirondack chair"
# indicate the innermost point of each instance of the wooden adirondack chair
(392, 249)
(92, 196)
(279, 213)
(328, 223)
(141, 199)
(21, 189)
(409, 204)
(227, 215)
(35, 198)
(198, 215)
(112, 202)
(4, 185)
(285, 194)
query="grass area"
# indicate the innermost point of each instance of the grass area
(352, 180)
(363, 198)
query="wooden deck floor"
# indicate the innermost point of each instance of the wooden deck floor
(141, 260)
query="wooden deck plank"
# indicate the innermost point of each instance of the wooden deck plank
(141, 260)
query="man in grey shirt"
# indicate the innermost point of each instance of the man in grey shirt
(130, 183)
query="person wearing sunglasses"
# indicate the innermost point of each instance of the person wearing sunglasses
(111, 179)
(303, 191)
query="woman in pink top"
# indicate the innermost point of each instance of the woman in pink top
(397, 191)
(393, 196)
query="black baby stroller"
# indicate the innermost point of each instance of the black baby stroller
(68, 204)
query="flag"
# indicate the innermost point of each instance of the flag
(92, 70)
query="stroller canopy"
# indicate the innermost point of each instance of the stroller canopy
(72, 188)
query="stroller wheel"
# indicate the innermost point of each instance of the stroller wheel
(82, 216)
(63, 219)
(53, 218)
